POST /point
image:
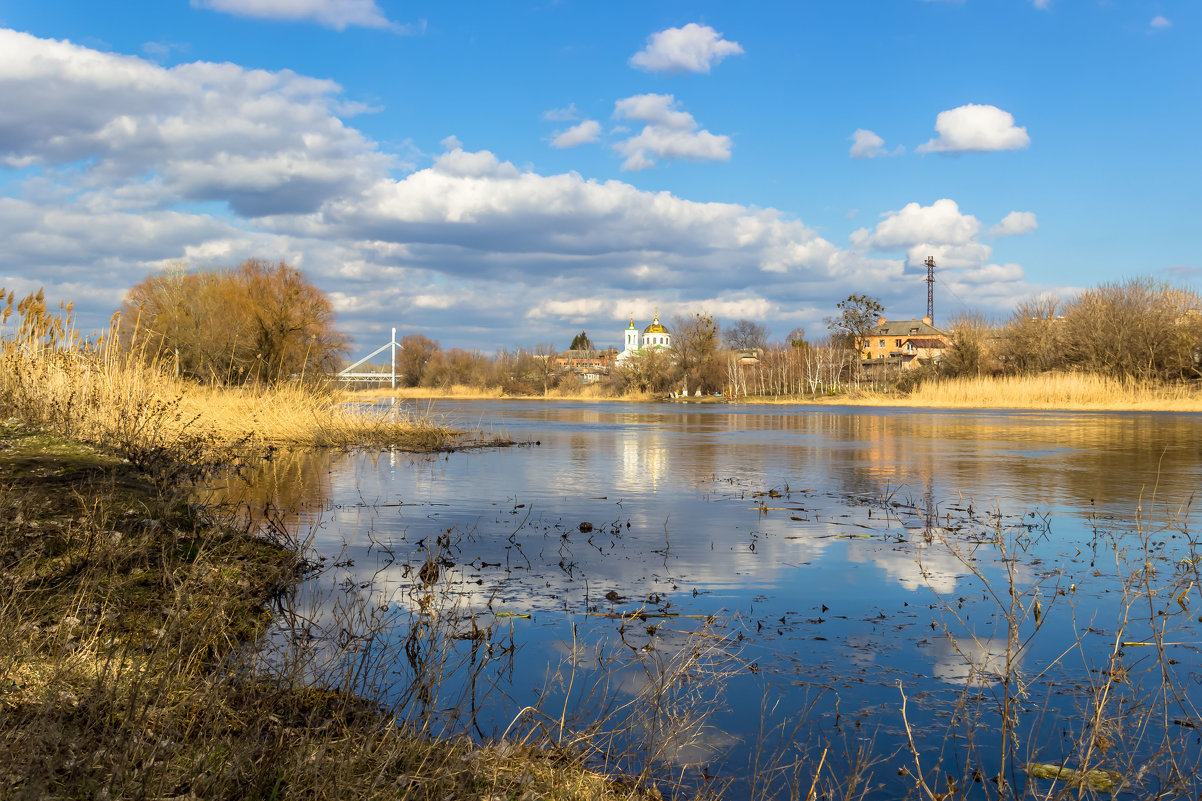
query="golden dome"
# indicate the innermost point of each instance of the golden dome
(655, 328)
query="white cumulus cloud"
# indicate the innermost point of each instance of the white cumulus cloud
(976, 128)
(1160, 23)
(994, 273)
(105, 157)
(942, 221)
(585, 132)
(336, 14)
(693, 48)
(670, 133)
(1015, 223)
(867, 145)
(263, 142)
(565, 114)
(939, 230)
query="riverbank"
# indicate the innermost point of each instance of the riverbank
(107, 397)
(1050, 391)
(131, 620)
(128, 666)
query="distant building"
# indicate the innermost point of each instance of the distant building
(653, 337)
(906, 343)
(588, 365)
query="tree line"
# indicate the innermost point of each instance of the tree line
(264, 321)
(1139, 329)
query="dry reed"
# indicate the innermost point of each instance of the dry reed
(1057, 391)
(102, 394)
(1072, 391)
(1068, 391)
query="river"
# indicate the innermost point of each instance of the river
(748, 592)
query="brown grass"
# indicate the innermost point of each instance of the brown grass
(457, 391)
(1056, 391)
(1074, 391)
(294, 415)
(1070, 391)
(105, 396)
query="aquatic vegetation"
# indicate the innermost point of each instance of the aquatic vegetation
(1018, 638)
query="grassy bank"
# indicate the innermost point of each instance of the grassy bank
(1059, 391)
(127, 665)
(105, 396)
(130, 619)
(1068, 391)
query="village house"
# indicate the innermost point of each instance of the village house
(587, 365)
(904, 343)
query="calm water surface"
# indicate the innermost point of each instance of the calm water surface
(803, 568)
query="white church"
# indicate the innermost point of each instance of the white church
(654, 336)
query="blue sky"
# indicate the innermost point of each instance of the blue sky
(506, 174)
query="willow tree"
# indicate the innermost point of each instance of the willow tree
(258, 322)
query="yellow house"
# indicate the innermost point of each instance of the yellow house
(904, 341)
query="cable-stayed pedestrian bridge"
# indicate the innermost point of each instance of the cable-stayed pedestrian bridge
(351, 374)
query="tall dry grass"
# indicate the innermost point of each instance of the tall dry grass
(1076, 391)
(1069, 391)
(1057, 391)
(99, 393)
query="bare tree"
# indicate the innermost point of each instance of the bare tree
(648, 370)
(416, 352)
(292, 321)
(972, 349)
(544, 365)
(745, 335)
(1031, 341)
(695, 344)
(796, 338)
(858, 314)
(1141, 329)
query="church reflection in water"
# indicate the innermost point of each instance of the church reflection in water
(838, 551)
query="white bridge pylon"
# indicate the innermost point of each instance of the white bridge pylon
(349, 374)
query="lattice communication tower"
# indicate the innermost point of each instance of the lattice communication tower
(930, 279)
